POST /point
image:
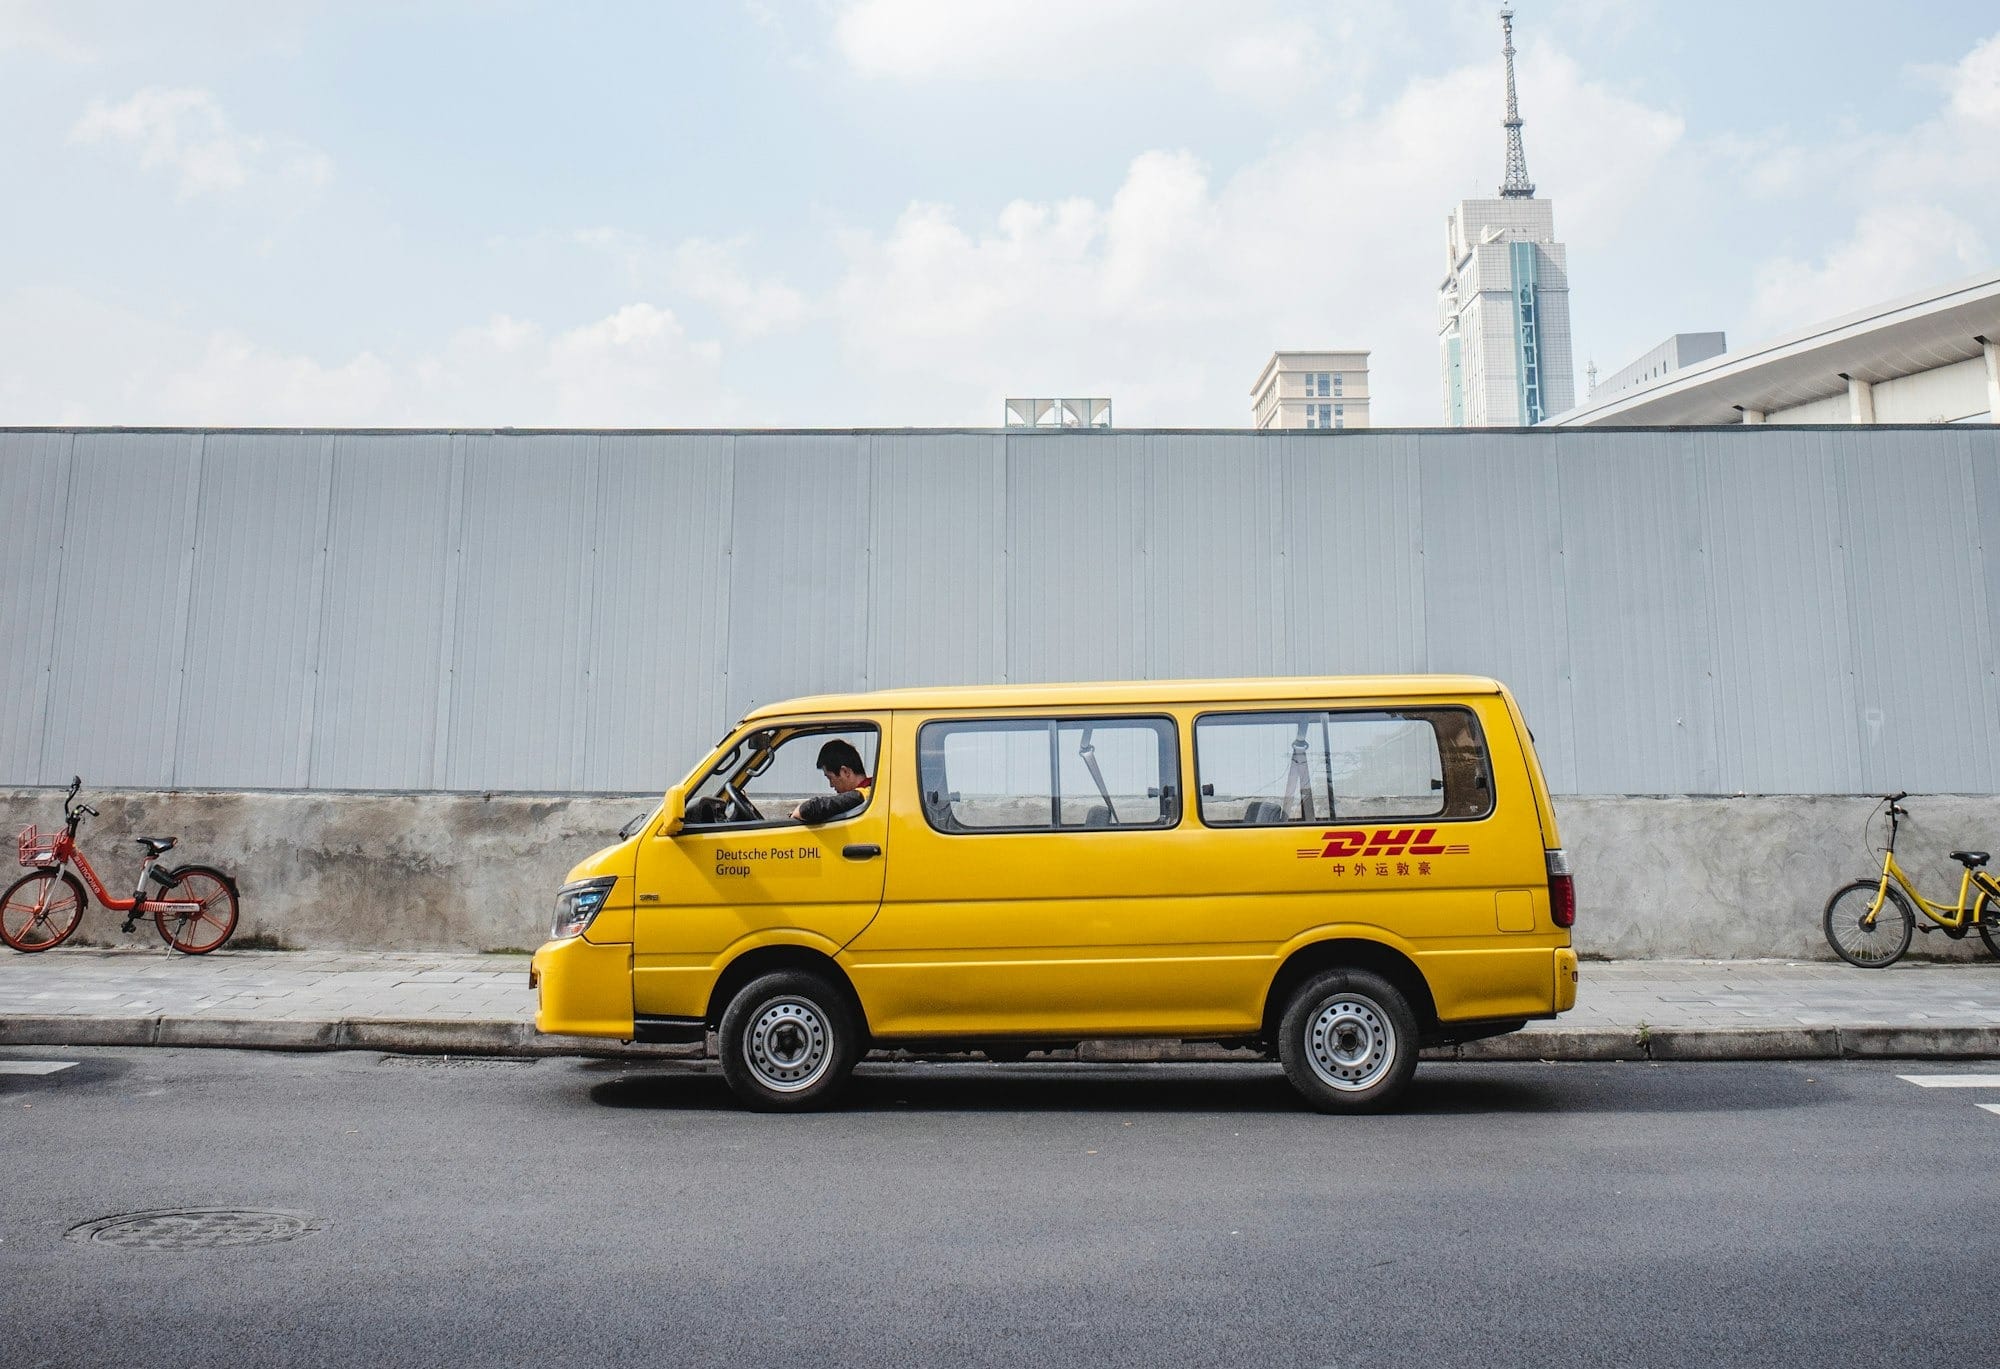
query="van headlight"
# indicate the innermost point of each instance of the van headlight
(577, 904)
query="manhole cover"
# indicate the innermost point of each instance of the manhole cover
(195, 1228)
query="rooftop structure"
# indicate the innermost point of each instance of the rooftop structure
(1680, 350)
(1924, 358)
(1057, 413)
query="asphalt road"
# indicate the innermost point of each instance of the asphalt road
(500, 1213)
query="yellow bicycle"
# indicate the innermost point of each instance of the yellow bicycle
(1868, 922)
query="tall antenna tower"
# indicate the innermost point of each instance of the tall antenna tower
(1518, 186)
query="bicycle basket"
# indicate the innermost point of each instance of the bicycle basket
(37, 849)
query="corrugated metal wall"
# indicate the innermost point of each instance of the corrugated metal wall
(1758, 609)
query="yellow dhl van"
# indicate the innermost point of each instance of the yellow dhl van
(1338, 871)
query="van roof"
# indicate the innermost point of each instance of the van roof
(1153, 692)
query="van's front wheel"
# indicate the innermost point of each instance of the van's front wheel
(788, 1041)
(1348, 1041)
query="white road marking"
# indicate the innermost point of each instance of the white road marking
(1990, 1107)
(1954, 1081)
(34, 1066)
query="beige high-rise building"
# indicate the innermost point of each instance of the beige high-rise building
(1311, 390)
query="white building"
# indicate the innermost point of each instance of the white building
(1926, 358)
(1679, 351)
(1503, 308)
(1311, 390)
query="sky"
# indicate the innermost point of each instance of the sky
(889, 213)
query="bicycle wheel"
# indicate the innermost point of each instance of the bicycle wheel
(1852, 940)
(200, 932)
(1989, 922)
(40, 910)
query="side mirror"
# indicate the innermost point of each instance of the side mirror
(673, 811)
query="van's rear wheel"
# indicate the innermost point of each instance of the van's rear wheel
(1348, 1041)
(788, 1041)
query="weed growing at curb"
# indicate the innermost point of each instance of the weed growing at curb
(260, 941)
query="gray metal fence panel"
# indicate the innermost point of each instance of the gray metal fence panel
(659, 538)
(1635, 596)
(1984, 459)
(1080, 572)
(34, 492)
(798, 568)
(1755, 610)
(1917, 604)
(253, 603)
(122, 610)
(517, 687)
(1350, 554)
(383, 659)
(1777, 588)
(937, 601)
(1217, 583)
(1493, 579)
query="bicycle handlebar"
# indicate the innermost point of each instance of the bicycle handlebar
(73, 811)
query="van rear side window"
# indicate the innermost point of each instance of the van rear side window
(1312, 766)
(1048, 774)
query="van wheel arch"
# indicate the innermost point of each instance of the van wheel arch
(1350, 953)
(769, 959)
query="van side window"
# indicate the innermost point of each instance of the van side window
(1049, 774)
(1316, 766)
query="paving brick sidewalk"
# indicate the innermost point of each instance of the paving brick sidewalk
(446, 1002)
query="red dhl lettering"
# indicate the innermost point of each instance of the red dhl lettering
(1383, 841)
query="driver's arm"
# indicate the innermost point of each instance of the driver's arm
(826, 807)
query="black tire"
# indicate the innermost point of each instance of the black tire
(1989, 922)
(1348, 1041)
(1868, 948)
(789, 1040)
(38, 915)
(198, 933)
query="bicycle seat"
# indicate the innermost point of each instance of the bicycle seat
(157, 845)
(1971, 860)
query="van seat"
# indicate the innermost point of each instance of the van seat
(1262, 813)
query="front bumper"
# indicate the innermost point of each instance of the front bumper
(584, 989)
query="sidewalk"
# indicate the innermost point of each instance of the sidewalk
(481, 1004)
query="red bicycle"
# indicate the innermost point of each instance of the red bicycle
(195, 910)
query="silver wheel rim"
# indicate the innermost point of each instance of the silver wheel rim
(1846, 925)
(788, 1046)
(1350, 1042)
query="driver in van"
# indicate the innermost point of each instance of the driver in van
(841, 764)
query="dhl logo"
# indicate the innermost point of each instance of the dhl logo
(1383, 841)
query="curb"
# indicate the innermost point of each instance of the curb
(419, 1036)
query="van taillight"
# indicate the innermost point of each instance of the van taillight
(1562, 891)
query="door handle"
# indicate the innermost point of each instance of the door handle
(861, 852)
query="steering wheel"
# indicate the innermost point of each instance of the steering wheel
(742, 810)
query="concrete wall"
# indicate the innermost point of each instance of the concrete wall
(1722, 878)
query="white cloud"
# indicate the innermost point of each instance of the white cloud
(709, 272)
(1975, 85)
(1253, 51)
(92, 363)
(28, 26)
(1169, 295)
(1894, 250)
(185, 133)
